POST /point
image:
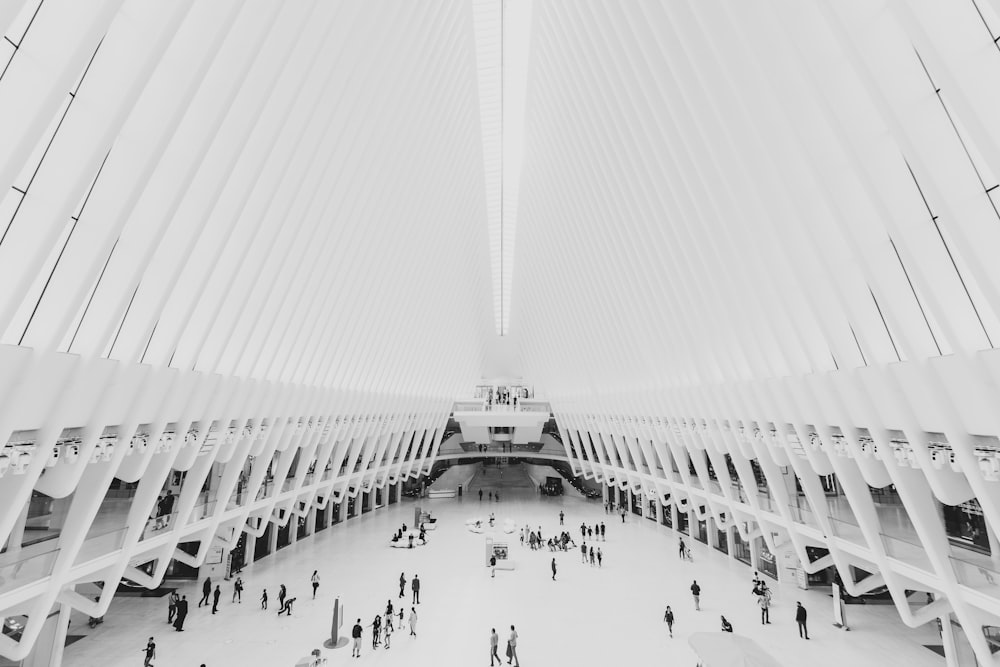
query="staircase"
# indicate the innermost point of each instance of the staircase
(490, 479)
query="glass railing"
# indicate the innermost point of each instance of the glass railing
(906, 550)
(847, 531)
(26, 566)
(101, 544)
(982, 577)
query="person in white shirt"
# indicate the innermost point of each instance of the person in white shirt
(512, 645)
(494, 640)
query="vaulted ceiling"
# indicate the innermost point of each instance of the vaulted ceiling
(325, 193)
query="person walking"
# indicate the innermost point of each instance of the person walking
(387, 631)
(668, 618)
(512, 647)
(356, 638)
(590, 533)
(182, 612)
(402, 583)
(388, 611)
(238, 590)
(800, 619)
(413, 621)
(583, 531)
(282, 593)
(726, 625)
(215, 599)
(681, 549)
(696, 594)
(480, 495)
(206, 591)
(583, 553)
(765, 605)
(493, 567)
(553, 569)
(591, 556)
(150, 651)
(263, 599)
(315, 582)
(415, 585)
(599, 557)
(494, 640)
(172, 606)
(561, 517)
(602, 532)
(623, 515)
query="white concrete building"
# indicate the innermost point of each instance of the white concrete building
(260, 254)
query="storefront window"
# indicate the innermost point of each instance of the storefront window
(666, 515)
(651, 514)
(741, 549)
(721, 543)
(768, 563)
(701, 534)
(637, 504)
(682, 522)
(966, 526)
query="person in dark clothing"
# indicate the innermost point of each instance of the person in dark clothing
(150, 652)
(415, 585)
(215, 599)
(480, 495)
(726, 625)
(356, 637)
(553, 569)
(800, 619)
(263, 600)
(561, 516)
(696, 594)
(388, 609)
(238, 590)
(168, 503)
(583, 531)
(281, 596)
(286, 608)
(681, 549)
(206, 591)
(602, 531)
(402, 584)
(668, 618)
(182, 612)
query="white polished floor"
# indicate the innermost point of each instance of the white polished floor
(611, 616)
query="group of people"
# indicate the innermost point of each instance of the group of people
(760, 591)
(164, 508)
(493, 495)
(588, 533)
(381, 626)
(511, 651)
(421, 537)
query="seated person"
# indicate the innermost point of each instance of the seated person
(395, 537)
(404, 528)
(726, 625)
(411, 541)
(423, 537)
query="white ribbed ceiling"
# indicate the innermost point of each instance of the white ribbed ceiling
(313, 192)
